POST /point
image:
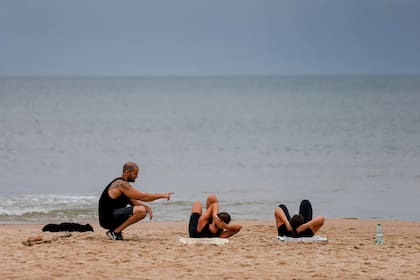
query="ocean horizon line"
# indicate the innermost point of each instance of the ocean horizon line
(213, 76)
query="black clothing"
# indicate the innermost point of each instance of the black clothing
(192, 228)
(305, 209)
(67, 227)
(107, 206)
(120, 215)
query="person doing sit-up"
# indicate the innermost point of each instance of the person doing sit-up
(300, 225)
(211, 223)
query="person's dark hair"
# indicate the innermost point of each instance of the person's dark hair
(296, 221)
(224, 216)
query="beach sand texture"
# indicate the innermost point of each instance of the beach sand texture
(152, 251)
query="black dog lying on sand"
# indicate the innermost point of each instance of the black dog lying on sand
(67, 227)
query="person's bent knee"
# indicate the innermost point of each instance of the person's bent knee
(196, 207)
(212, 198)
(197, 203)
(139, 211)
(283, 208)
(277, 211)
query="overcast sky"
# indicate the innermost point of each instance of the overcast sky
(214, 37)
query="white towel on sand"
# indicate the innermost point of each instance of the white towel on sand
(212, 241)
(315, 238)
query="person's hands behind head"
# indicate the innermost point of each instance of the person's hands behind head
(218, 222)
(215, 217)
(296, 221)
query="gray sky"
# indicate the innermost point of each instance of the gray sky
(214, 37)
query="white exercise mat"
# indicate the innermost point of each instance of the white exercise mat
(315, 238)
(212, 241)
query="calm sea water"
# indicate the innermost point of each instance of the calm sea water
(349, 144)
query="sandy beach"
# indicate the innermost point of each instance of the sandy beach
(152, 251)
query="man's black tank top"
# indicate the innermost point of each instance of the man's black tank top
(107, 205)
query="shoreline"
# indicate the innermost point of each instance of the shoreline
(95, 221)
(152, 251)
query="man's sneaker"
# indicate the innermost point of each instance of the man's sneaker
(114, 235)
(119, 235)
(111, 235)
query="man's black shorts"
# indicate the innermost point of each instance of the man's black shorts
(120, 215)
(192, 227)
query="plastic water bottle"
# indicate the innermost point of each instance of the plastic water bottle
(379, 235)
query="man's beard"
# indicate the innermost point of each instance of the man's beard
(131, 180)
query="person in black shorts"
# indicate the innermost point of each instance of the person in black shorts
(300, 225)
(120, 204)
(211, 223)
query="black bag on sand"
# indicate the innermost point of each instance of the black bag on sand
(67, 227)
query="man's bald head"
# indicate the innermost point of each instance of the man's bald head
(130, 171)
(130, 167)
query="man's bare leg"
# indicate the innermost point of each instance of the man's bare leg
(197, 207)
(210, 200)
(139, 213)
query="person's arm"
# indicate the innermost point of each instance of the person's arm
(211, 212)
(134, 202)
(314, 224)
(132, 193)
(281, 218)
(230, 229)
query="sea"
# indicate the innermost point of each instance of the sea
(349, 144)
